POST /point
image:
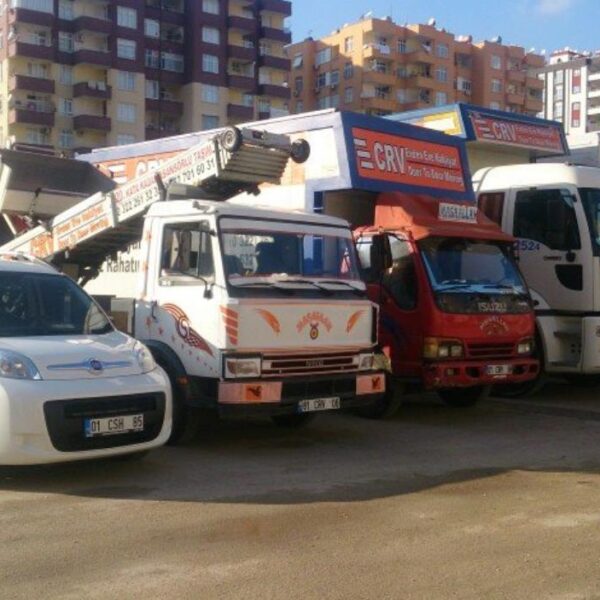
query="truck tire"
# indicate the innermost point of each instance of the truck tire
(385, 407)
(300, 151)
(462, 397)
(231, 139)
(293, 421)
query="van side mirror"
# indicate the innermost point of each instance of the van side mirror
(381, 254)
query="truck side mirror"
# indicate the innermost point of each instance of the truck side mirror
(381, 254)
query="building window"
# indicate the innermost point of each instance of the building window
(46, 6)
(442, 50)
(576, 84)
(348, 70)
(323, 56)
(441, 98)
(496, 62)
(248, 100)
(65, 10)
(65, 107)
(210, 63)
(126, 17)
(576, 114)
(152, 89)
(65, 74)
(402, 46)
(172, 62)
(125, 138)
(495, 105)
(37, 70)
(441, 74)
(210, 6)
(559, 92)
(34, 135)
(126, 48)
(210, 93)
(152, 60)
(65, 41)
(126, 112)
(264, 105)
(297, 61)
(151, 28)
(65, 139)
(348, 45)
(298, 84)
(558, 111)
(299, 106)
(335, 77)
(265, 48)
(210, 121)
(349, 95)
(559, 77)
(210, 35)
(126, 81)
(496, 86)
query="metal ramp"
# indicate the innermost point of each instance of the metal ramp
(234, 161)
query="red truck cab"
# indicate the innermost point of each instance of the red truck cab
(455, 313)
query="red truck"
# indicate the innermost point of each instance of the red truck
(455, 313)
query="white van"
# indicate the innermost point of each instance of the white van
(554, 212)
(71, 386)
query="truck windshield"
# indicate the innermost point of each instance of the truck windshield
(590, 198)
(262, 258)
(462, 264)
(38, 304)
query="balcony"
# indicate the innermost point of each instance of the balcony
(86, 56)
(245, 24)
(31, 49)
(237, 111)
(31, 84)
(382, 51)
(35, 17)
(274, 62)
(387, 103)
(94, 122)
(420, 81)
(515, 98)
(379, 77)
(95, 24)
(420, 56)
(534, 83)
(154, 132)
(243, 82)
(32, 112)
(164, 106)
(534, 104)
(278, 35)
(516, 75)
(92, 89)
(275, 91)
(277, 6)
(242, 53)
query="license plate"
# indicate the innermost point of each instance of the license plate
(113, 425)
(318, 404)
(496, 370)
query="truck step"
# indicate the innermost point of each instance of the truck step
(562, 334)
(565, 364)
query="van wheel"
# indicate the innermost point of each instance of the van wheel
(385, 407)
(462, 397)
(293, 421)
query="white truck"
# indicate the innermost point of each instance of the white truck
(554, 212)
(249, 311)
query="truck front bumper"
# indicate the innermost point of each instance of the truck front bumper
(465, 373)
(282, 396)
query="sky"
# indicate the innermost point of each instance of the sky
(539, 24)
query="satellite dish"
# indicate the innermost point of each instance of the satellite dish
(431, 22)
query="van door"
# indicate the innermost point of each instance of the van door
(554, 246)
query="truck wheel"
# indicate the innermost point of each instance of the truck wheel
(293, 421)
(231, 139)
(385, 407)
(462, 397)
(300, 151)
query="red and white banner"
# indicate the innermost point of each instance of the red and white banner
(513, 133)
(398, 159)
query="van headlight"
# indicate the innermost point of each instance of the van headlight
(16, 366)
(366, 361)
(249, 366)
(525, 347)
(436, 348)
(144, 357)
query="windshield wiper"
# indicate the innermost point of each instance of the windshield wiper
(268, 284)
(309, 282)
(357, 290)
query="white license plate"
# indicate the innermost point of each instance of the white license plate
(497, 370)
(113, 425)
(318, 404)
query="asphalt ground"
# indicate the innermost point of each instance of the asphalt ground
(498, 501)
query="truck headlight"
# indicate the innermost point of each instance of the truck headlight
(435, 348)
(525, 347)
(366, 361)
(144, 357)
(243, 367)
(16, 366)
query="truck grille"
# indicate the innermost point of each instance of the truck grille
(497, 350)
(306, 364)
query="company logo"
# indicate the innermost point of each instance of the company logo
(185, 331)
(95, 366)
(494, 326)
(313, 320)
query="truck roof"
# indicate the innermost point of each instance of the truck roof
(231, 208)
(419, 215)
(525, 175)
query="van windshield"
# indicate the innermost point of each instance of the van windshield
(38, 304)
(590, 198)
(456, 263)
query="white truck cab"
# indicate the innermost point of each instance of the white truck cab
(554, 212)
(72, 387)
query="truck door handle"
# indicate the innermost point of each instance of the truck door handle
(552, 257)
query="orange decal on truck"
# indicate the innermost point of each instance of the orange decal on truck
(313, 320)
(185, 331)
(353, 320)
(271, 320)
(231, 321)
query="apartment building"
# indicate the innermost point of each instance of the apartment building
(379, 67)
(572, 91)
(81, 74)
